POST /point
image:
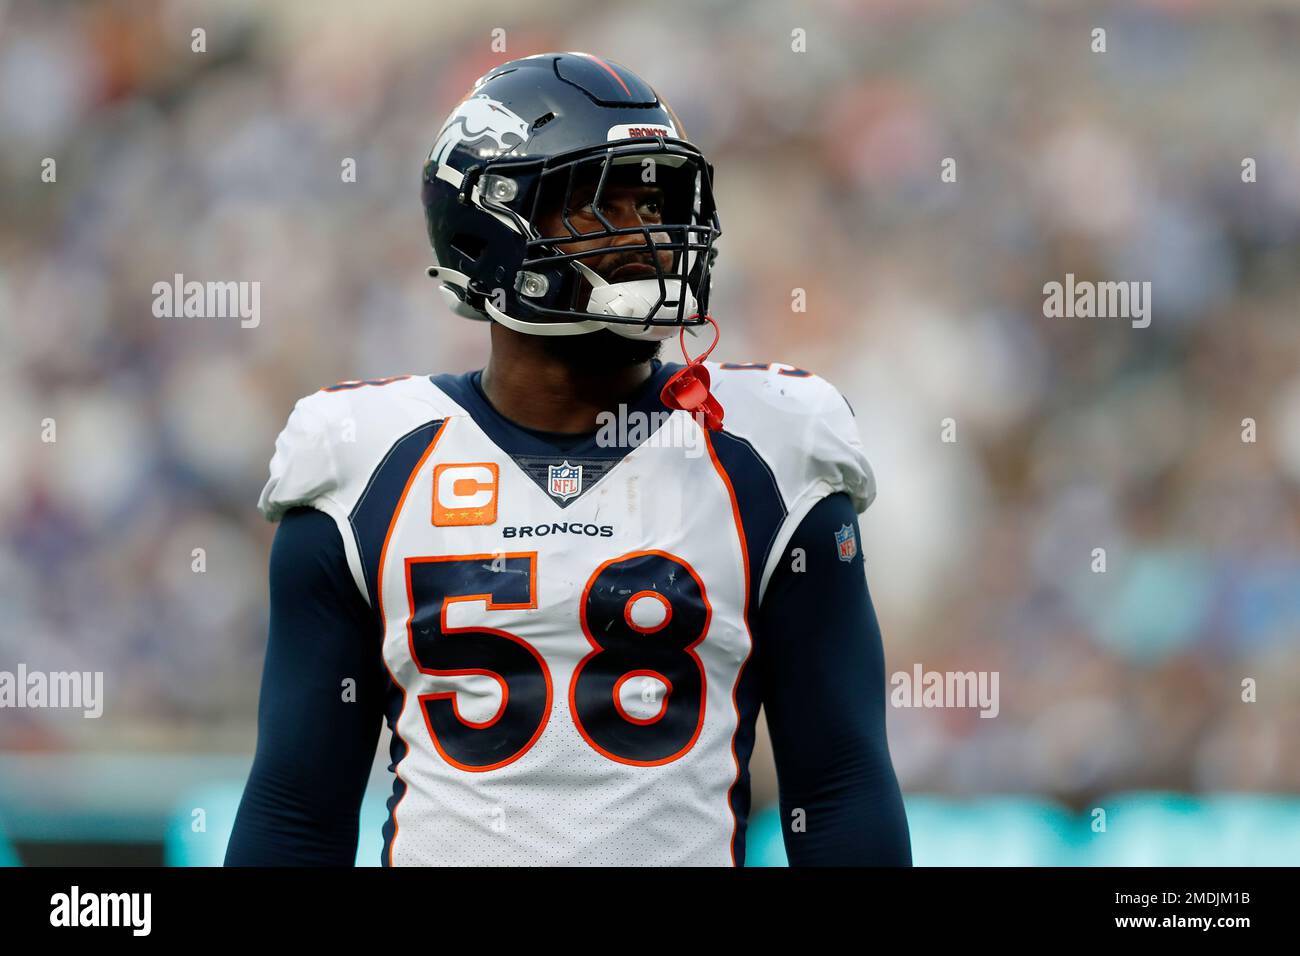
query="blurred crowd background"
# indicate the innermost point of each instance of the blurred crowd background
(924, 303)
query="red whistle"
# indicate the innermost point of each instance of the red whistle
(688, 390)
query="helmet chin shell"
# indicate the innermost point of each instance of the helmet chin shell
(640, 299)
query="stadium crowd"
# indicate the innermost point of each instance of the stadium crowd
(924, 304)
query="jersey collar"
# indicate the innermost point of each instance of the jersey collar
(535, 452)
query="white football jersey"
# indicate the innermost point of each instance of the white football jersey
(567, 630)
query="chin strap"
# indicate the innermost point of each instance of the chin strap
(688, 390)
(580, 327)
(632, 299)
(450, 279)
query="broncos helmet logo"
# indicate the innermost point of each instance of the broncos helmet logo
(477, 118)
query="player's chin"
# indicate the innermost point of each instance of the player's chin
(600, 351)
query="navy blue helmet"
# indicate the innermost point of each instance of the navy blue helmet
(533, 135)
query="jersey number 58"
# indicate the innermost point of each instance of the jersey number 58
(622, 650)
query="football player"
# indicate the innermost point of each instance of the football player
(569, 581)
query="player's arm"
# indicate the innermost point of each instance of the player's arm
(315, 746)
(822, 671)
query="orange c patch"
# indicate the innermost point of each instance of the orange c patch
(465, 494)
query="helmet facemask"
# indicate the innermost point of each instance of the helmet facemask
(556, 288)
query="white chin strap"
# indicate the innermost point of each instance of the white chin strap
(632, 300)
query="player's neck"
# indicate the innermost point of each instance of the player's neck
(539, 390)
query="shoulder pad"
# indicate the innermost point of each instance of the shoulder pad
(336, 437)
(801, 425)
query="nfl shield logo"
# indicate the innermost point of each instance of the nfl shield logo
(846, 542)
(564, 481)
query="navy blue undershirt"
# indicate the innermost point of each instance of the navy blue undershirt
(817, 654)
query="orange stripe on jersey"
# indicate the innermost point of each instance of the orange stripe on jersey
(744, 558)
(383, 619)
